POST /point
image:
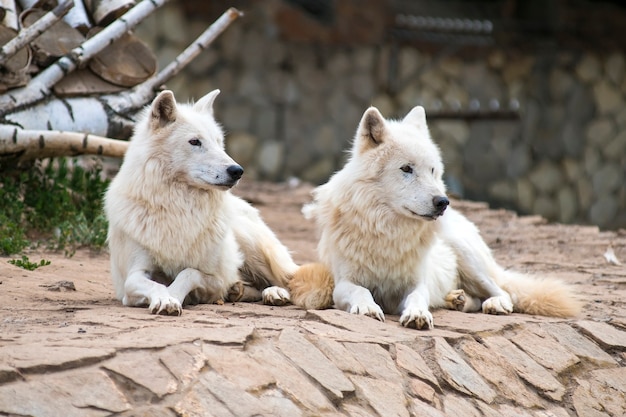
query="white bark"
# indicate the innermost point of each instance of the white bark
(80, 114)
(27, 35)
(40, 86)
(20, 145)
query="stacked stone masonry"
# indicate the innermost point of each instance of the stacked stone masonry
(291, 108)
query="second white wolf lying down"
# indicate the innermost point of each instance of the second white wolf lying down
(176, 233)
(390, 244)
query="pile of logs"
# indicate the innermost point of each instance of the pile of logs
(73, 75)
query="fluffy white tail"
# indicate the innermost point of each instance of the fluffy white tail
(540, 296)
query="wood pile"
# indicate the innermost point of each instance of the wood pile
(73, 75)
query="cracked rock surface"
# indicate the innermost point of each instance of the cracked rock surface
(81, 353)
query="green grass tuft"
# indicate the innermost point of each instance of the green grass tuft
(27, 264)
(54, 204)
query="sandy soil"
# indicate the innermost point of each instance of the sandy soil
(35, 300)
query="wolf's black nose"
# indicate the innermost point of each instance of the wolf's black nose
(235, 171)
(440, 203)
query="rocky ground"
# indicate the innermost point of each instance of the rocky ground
(67, 352)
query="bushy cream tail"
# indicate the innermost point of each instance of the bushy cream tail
(312, 287)
(540, 296)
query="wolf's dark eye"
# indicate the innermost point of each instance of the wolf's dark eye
(195, 142)
(406, 169)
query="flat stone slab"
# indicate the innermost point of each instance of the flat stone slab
(605, 334)
(81, 353)
(308, 358)
(526, 368)
(457, 373)
(545, 349)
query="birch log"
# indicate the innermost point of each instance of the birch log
(80, 114)
(40, 86)
(26, 145)
(135, 98)
(109, 115)
(112, 115)
(27, 35)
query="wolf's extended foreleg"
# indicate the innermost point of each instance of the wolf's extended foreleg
(132, 267)
(414, 308)
(356, 300)
(140, 290)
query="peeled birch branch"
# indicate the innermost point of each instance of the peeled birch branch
(40, 86)
(27, 35)
(19, 145)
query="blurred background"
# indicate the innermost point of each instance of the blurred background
(524, 97)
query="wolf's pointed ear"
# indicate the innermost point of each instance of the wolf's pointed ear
(163, 110)
(371, 131)
(416, 117)
(205, 104)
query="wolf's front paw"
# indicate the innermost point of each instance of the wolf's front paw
(371, 310)
(455, 300)
(276, 296)
(501, 304)
(166, 305)
(417, 318)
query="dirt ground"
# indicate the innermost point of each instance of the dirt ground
(574, 253)
(68, 347)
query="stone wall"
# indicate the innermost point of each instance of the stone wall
(291, 109)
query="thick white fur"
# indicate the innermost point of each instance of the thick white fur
(176, 233)
(390, 250)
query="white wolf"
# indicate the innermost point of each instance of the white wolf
(176, 233)
(386, 242)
